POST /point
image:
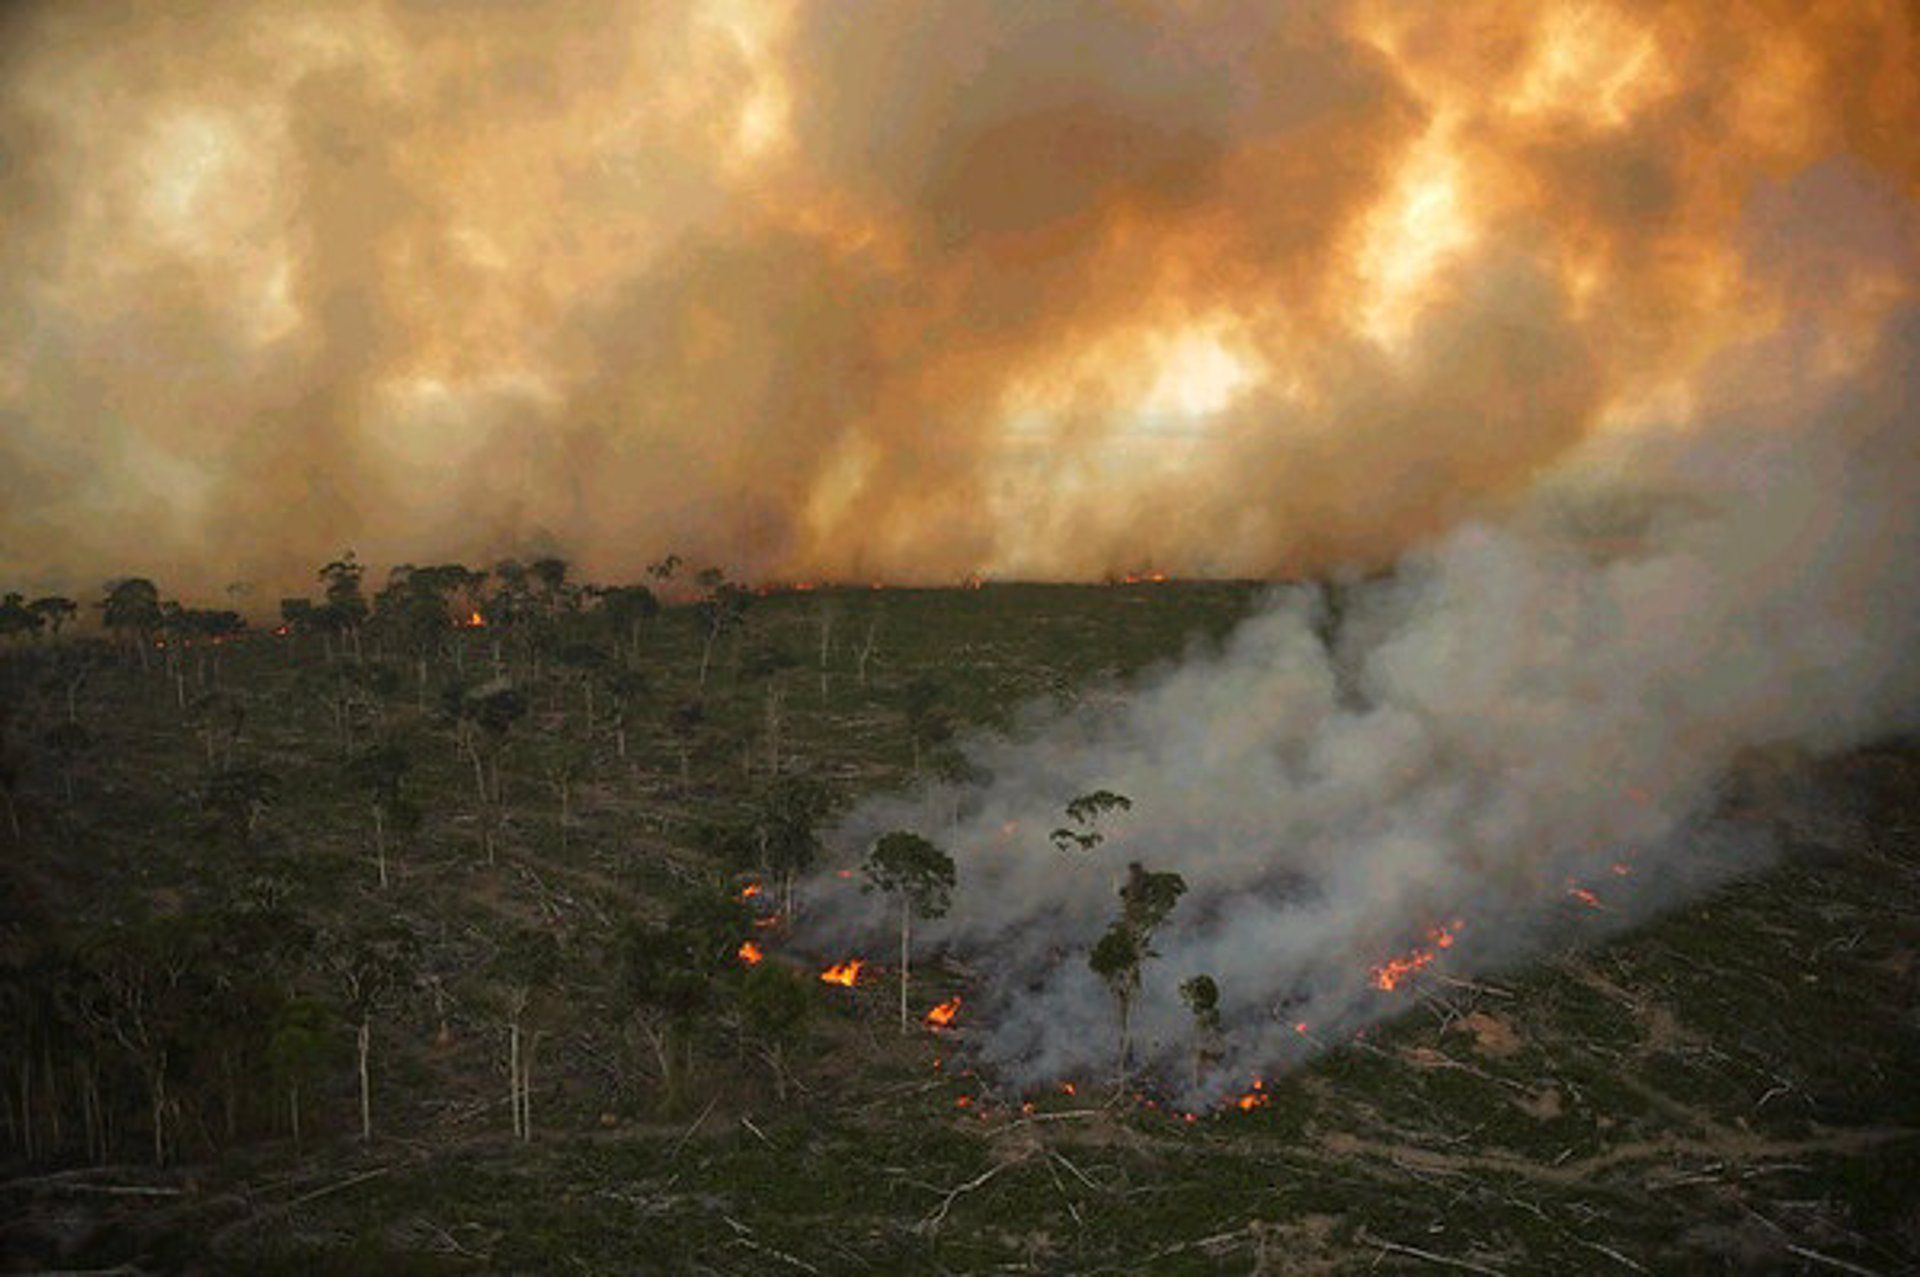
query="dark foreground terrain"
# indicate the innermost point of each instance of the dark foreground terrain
(199, 953)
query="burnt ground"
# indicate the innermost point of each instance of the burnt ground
(1732, 1088)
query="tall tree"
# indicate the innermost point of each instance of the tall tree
(55, 610)
(921, 876)
(1146, 898)
(378, 773)
(131, 611)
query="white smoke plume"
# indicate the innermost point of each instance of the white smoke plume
(1545, 702)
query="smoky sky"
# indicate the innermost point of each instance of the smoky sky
(900, 292)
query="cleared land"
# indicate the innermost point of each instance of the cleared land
(1735, 1088)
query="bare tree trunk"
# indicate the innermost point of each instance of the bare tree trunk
(513, 1073)
(364, 1045)
(380, 843)
(526, 1087)
(906, 933)
(293, 1111)
(706, 656)
(866, 651)
(157, 1084)
(26, 1106)
(13, 813)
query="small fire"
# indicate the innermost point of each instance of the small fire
(1389, 975)
(1621, 868)
(751, 890)
(942, 1016)
(1067, 1088)
(1585, 897)
(474, 621)
(1255, 1098)
(771, 920)
(1144, 578)
(281, 631)
(843, 973)
(1300, 1027)
(750, 953)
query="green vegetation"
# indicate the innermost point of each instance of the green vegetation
(409, 940)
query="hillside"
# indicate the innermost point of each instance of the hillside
(455, 840)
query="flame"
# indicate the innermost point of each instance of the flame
(1254, 1098)
(843, 973)
(1389, 974)
(474, 621)
(942, 1016)
(751, 890)
(1067, 1088)
(750, 953)
(1585, 897)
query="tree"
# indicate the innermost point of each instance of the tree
(787, 828)
(906, 865)
(928, 723)
(1146, 899)
(483, 717)
(1084, 814)
(298, 1046)
(525, 965)
(378, 773)
(628, 608)
(239, 797)
(346, 609)
(131, 611)
(583, 664)
(17, 618)
(1202, 996)
(776, 1006)
(55, 611)
(368, 964)
(670, 973)
(722, 611)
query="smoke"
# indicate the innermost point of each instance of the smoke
(899, 294)
(1552, 702)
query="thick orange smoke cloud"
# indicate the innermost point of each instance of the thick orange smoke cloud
(904, 291)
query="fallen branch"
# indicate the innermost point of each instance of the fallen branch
(688, 1133)
(1840, 1264)
(1368, 1239)
(935, 1218)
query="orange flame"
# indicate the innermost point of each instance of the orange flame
(1391, 973)
(751, 890)
(1255, 1098)
(474, 621)
(750, 953)
(941, 1016)
(843, 973)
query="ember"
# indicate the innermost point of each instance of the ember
(1255, 1098)
(942, 1016)
(1585, 897)
(843, 973)
(750, 953)
(751, 890)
